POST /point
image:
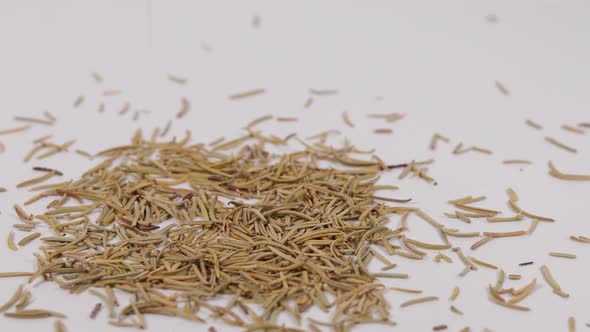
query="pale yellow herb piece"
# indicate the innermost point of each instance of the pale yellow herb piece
(419, 300)
(437, 137)
(551, 281)
(259, 120)
(323, 92)
(454, 294)
(10, 242)
(346, 120)
(14, 130)
(184, 108)
(97, 77)
(177, 79)
(13, 299)
(516, 161)
(573, 129)
(533, 124)
(34, 313)
(59, 326)
(502, 88)
(571, 323)
(482, 263)
(78, 101)
(28, 239)
(560, 144)
(246, 94)
(565, 176)
(406, 290)
(383, 131)
(456, 310)
(562, 255)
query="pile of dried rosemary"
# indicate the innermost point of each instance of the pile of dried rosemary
(176, 225)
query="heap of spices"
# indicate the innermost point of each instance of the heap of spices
(176, 225)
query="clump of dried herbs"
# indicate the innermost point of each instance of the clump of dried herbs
(177, 224)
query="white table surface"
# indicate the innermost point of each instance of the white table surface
(435, 61)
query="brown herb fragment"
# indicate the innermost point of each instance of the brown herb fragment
(560, 144)
(246, 94)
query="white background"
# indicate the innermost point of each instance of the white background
(435, 61)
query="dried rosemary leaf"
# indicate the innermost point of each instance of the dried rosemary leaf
(286, 119)
(110, 93)
(565, 176)
(14, 130)
(177, 79)
(33, 120)
(482, 263)
(571, 323)
(97, 77)
(405, 290)
(456, 310)
(33, 314)
(419, 300)
(573, 129)
(502, 88)
(15, 274)
(437, 137)
(10, 241)
(346, 120)
(59, 326)
(562, 255)
(388, 117)
(13, 299)
(37, 180)
(323, 92)
(259, 121)
(184, 108)
(454, 294)
(517, 161)
(383, 131)
(549, 278)
(79, 100)
(125, 108)
(246, 94)
(560, 144)
(533, 124)
(505, 234)
(28, 239)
